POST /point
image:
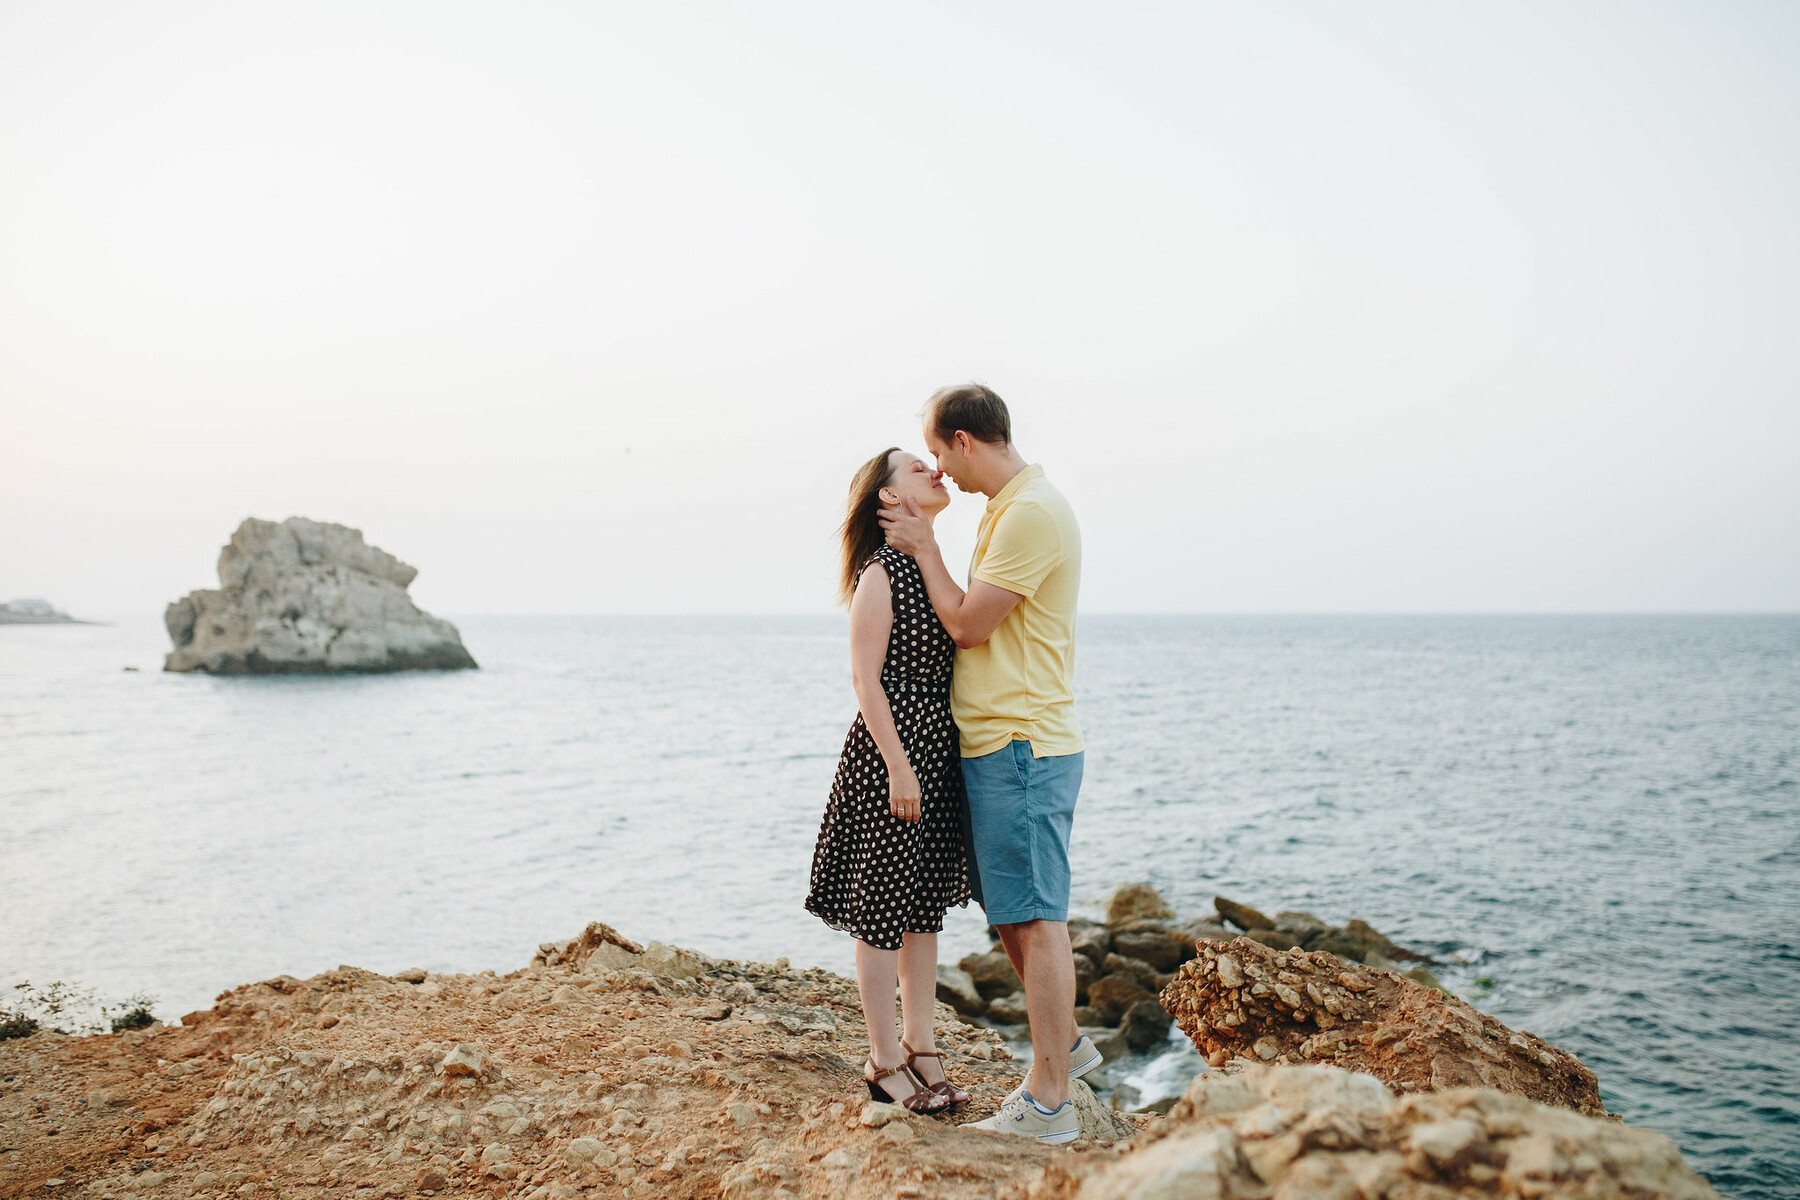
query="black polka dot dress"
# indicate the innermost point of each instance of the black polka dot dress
(873, 874)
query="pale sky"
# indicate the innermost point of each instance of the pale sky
(595, 308)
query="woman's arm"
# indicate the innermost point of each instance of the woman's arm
(871, 622)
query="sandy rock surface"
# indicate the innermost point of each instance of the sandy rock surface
(305, 597)
(605, 1067)
(609, 1068)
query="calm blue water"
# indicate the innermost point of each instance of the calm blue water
(1599, 814)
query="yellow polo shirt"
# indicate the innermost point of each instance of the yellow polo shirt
(1020, 683)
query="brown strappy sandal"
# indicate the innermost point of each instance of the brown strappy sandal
(922, 1099)
(952, 1094)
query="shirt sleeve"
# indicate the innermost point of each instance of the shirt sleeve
(1025, 547)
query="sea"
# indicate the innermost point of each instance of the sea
(1593, 822)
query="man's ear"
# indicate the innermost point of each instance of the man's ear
(963, 441)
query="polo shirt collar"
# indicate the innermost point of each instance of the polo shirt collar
(1034, 471)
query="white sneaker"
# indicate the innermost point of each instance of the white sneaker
(1021, 1116)
(1083, 1058)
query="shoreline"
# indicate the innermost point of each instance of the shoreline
(609, 1068)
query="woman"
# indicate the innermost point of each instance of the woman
(890, 858)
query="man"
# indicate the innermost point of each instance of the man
(1014, 704)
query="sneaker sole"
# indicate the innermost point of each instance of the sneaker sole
(1059, 1139)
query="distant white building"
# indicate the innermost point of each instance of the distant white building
(31, 608)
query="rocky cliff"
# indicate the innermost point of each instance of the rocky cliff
(606, 1068)
(304, 597)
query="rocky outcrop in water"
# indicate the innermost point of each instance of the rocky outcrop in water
(1246, 1000)
(305, 597)
(1123, 963)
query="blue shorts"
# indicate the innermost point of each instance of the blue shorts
(1020, 812)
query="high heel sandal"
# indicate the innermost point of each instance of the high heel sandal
(922, 1099)
(952, 1094)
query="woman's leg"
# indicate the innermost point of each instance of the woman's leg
(918, 1004)
(876, 970)
(918, 988)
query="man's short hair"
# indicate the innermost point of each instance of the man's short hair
(973, 408)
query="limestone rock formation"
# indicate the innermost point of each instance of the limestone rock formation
(609, 1068)
(1243, 999)
(303, 597)
(1257, 1132)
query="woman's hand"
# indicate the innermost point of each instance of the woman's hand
(903, 793)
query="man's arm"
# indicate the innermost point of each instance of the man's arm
(970, 617)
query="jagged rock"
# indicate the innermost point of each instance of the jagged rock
(1151, 979)
(1301, 924)
(1136, 902)
(1111, 995)
(1145, 1024)
(1008, 1009)
(303, 597)
(1274, 939)
(670, 961)
(1320, 1132)
(1246, 1000)
(1241, 915)
(1200, 929)
(956, 988)
(1085, 973)
(1109, 1042)
(1098, 1122)
(466, 1060)
(599, 947)
(1093, 942)
(992, 972)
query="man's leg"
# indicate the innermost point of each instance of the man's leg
(1049, 975)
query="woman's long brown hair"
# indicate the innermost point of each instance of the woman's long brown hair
(861, 533)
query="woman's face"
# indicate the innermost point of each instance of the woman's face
(912, 478)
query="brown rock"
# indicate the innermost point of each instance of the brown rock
(1008, 1009)
(1274, 939)
(432, 1179)
(1301, 924)
(1241, 915)
(992, 972)
(1085, 973)
(1146, 1024)
(1094, 942)
(956, 988)
(1111, 995)
(1151, 980)
(1248, 1001)
(1162, 950)
(1137, 902)
(1200, 929)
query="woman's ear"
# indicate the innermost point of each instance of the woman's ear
(889, 496)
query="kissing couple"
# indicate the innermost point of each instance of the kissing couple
(959, 775)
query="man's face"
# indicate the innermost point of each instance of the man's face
(950, 456)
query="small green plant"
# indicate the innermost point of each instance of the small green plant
(134, 1013)
(64, 1008)
(1484, 981)
(16, 1025)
